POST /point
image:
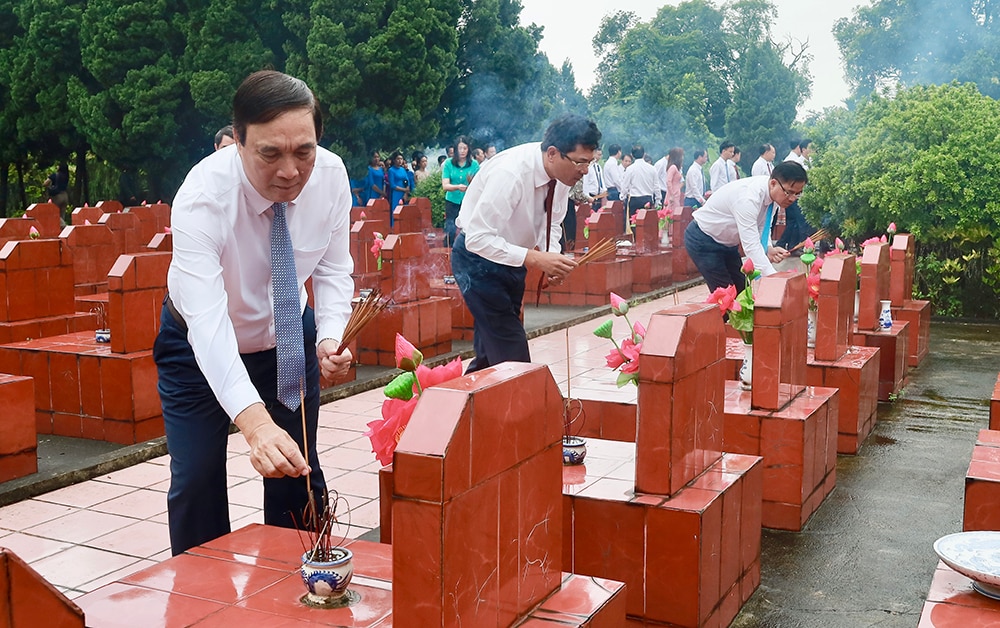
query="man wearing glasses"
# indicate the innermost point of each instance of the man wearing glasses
(511, 221)
(742, 212)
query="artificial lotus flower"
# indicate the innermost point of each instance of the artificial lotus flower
(87, 223)
(725, 298)
(624, 358)
(167, 230)
(892, 228)
(33, 233)
(619, 306)
(376, 249)
(402, 394)
(839, 245)
(364, 216)
(408, 357)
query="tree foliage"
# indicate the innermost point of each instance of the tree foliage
(143, 86)
(695, 72)
(921, 41)
(926, 159)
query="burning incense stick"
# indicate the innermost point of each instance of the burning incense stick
(365, 312)
(822, 234)
(599, 250)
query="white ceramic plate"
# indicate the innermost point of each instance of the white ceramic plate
(973, 554)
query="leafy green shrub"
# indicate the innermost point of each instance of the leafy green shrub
(926, 159)
(431, 188)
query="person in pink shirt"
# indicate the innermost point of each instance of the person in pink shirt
(675, 180)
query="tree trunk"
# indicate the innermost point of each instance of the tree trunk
(4, 188)
(21, 192)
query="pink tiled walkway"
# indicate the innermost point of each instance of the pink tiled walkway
(84, 536)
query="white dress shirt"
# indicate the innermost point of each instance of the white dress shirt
(614, 174)
(761, 167)
(220, 274)
(593, 181)
(503, 214)
(796, 158)
(640, 180)
(694, 185)
(720, 174)
(661, 174)
(736, 215)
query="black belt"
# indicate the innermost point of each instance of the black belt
(174, 313)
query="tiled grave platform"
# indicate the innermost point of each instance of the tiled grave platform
(952, 603)
(916, 313)
(691, 559)
(893, 343)
(982, 484)
(995, 406)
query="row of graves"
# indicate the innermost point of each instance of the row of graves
(484, 524)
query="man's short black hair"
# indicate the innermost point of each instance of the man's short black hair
(638, 151)
(764, 148)
(265, 95)
(736, 151)
(226, 131)
(805, 143)
(569, 131)
(727, 144)
(790, 172)
(793, 144)
(614, 149)
(698, 154)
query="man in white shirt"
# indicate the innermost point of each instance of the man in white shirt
(640, 183)
(216, 351)
(510, 221)
(795, 152)
(694, 182)
(661, 178)
(721, 173)
(594, 185)
(742, 213)
(763, 166)
(614, 173)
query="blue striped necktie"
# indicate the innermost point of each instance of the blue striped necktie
(764, 238)
(287, 312)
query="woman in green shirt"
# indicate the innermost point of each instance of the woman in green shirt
(456, 174)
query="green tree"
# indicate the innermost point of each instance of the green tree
(921, 41)
(504, 89)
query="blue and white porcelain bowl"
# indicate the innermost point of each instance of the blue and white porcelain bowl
(327, 580)
(574, 450)
(975, 555)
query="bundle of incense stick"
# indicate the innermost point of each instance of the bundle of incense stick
(363, 313)
(822, 234)
(599, 250)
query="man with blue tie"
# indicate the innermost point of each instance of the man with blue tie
(741, 213)
(237, 341)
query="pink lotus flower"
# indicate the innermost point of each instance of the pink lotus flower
(839, 244)
(809, 245)
(646, 206)
(408, 358)
(87, 222)
(892, 228)
(747, 268)
(615, 358)
(725, 298)
(385, 433)
(377, 245)
(33, 233)
(631, 351)
(817, 266)
(639, 330)
(619, 306)
(883, 239)
(812, 280)
(167, 230)
(363, 216)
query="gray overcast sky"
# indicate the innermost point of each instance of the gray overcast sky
(571, 24)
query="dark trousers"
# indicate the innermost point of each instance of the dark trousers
(198, 431)
(690, 202)
(569, 227)
(614, 194)
(450, 214)
(719, 264)
(494, 294)
(638, 202)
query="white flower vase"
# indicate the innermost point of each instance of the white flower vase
(885, 316)
(746, 369)
(811, 329)
(857, 304)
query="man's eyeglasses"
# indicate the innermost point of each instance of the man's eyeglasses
(792, 195)
(578, 163)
